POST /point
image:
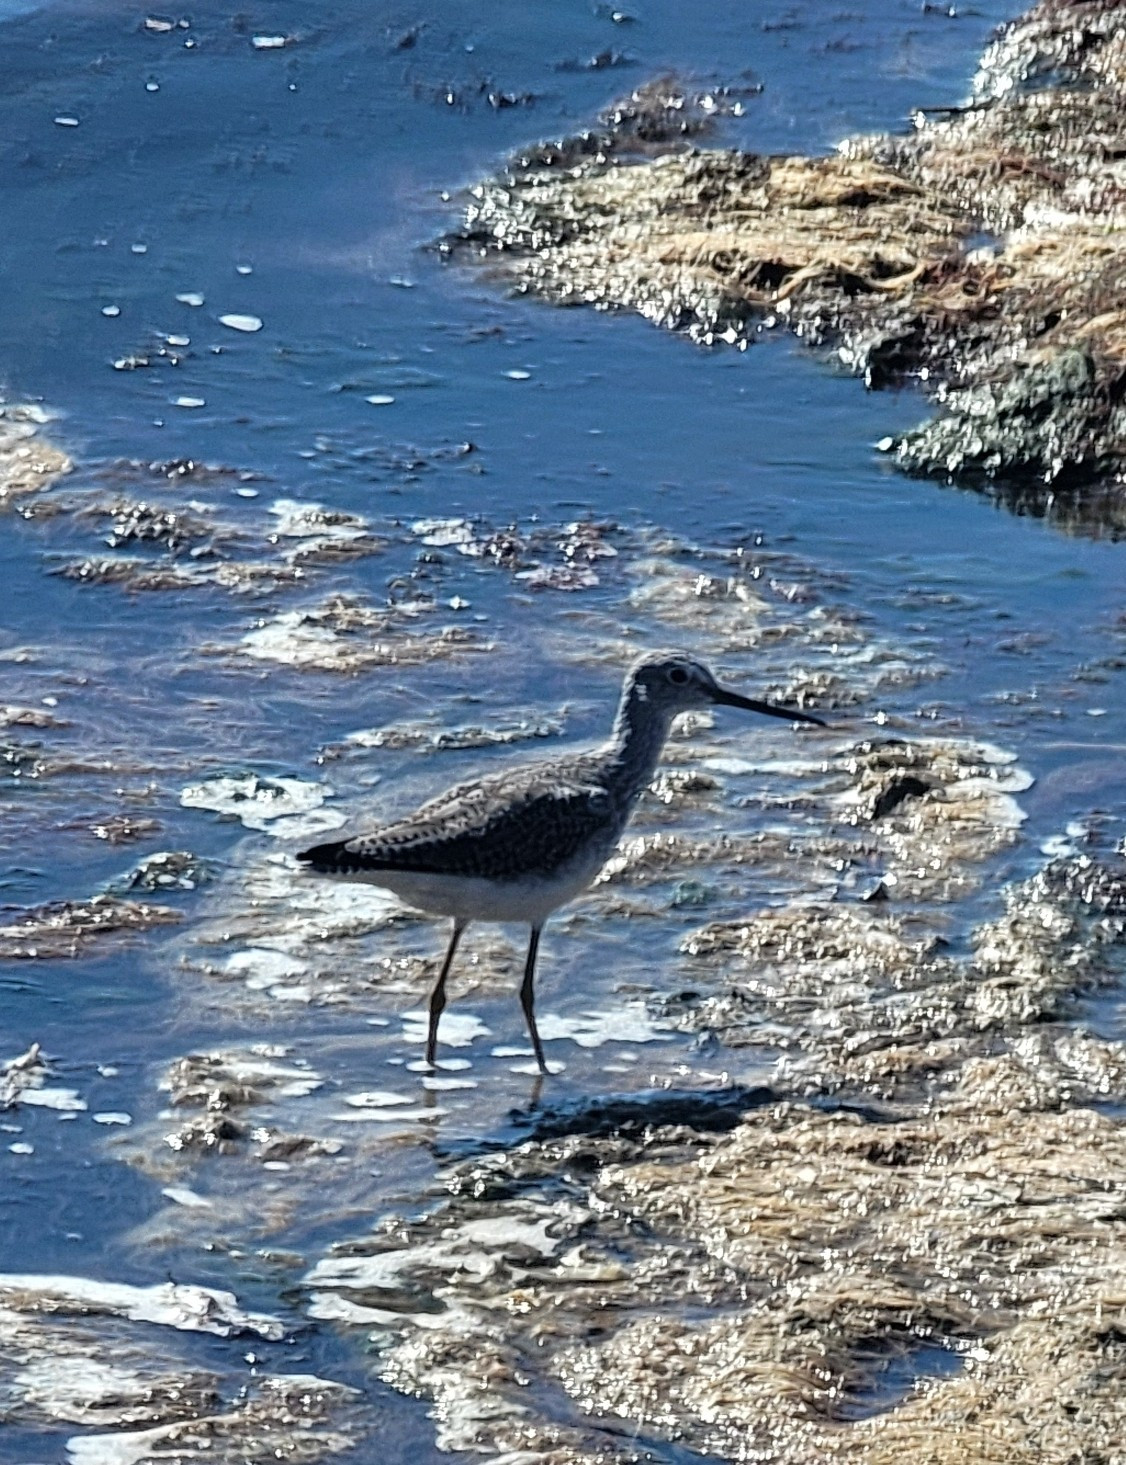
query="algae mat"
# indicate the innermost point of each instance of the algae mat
(980, 255)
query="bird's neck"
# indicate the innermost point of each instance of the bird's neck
(638, 736)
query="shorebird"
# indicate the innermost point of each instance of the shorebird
(518, 844)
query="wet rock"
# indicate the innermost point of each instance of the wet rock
(665, 110)
(157, 351)
(559, 577)
(655, 116)
(539, 558)
(896, 792)
(529, 1232)
(842, 976)
(1009, 1180)
(468, 538)
(686, 268)
(691, 895)
(276, 1146)
(1032, 429)
(667, 858)
(823, 836)
(131, 573)
(207, 1133)
(879, 999)
(252, 577)
(68, 928)
(85, 1352)
(94, 1364)
(584, 542)
(200, 548)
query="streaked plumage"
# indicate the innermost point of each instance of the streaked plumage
(516, 845)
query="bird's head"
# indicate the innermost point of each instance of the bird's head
(673, 681)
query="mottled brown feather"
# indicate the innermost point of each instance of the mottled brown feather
(526, 823)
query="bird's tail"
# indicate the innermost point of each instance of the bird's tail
(324, 858)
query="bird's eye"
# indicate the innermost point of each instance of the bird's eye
(678, 676)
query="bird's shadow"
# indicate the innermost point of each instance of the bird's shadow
(629, 1115)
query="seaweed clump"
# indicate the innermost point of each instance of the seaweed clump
(980, 255)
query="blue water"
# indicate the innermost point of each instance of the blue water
(326, 168)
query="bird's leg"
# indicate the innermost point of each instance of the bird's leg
(528, 997)
(438, 995)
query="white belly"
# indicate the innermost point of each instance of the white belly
(469, 898)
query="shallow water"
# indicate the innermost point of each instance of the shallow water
(301, 185)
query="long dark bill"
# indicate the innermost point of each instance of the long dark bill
(768, 709)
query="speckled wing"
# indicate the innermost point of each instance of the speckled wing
(528, 823)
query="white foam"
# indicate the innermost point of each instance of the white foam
(175, 1305)
(459, 1029)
